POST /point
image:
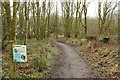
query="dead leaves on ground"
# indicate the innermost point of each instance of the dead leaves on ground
(102, 57)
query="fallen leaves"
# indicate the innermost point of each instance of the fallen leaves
(102, 57)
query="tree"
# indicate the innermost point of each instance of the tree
(84, 9)
(48, 21)
(72, 18)
(21, 28)
(56, 22)
(43, 21)
(34, 19)
(4, 29)
(12, 33)
(38, 20)
(85, 15)
(27, 5)
(0, 24)
(78, 19)
(66, 9)
(105, 18)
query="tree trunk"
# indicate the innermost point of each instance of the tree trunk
(38, 21)
(85, 16)
(27, 18)
(34, 20)
(12, 36)
(48, 28)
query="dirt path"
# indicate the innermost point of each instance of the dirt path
(69, 64)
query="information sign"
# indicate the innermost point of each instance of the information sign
(19, 53)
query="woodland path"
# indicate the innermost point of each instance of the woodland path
(69, 64)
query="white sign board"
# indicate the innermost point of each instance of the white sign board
(19, 53)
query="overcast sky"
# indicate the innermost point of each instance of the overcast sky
(92, 9)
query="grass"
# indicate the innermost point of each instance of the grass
(39, 54)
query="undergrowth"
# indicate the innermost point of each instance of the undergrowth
(39, 55)
(101, 57)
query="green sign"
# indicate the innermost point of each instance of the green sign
(19, 53)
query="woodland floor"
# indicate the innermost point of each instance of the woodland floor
(69, 64)
(100, 58)
(75, 59)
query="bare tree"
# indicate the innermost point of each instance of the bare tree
(21, 27)
(49, 8)
(43, 21)
(27, 5)
(56, 22)
(12, 33)
(84, 10)
(66, 9)
(78, 19)
(34, 19)
(38, 20)
(105, 18)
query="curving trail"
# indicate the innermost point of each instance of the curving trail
(69, 64)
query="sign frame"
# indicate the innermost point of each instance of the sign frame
(19, 53)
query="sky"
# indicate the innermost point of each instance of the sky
(92, 8)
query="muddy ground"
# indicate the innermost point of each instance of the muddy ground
(69, 64)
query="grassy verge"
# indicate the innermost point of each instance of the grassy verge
(39, 62)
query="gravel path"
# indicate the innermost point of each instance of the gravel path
(69, 64)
